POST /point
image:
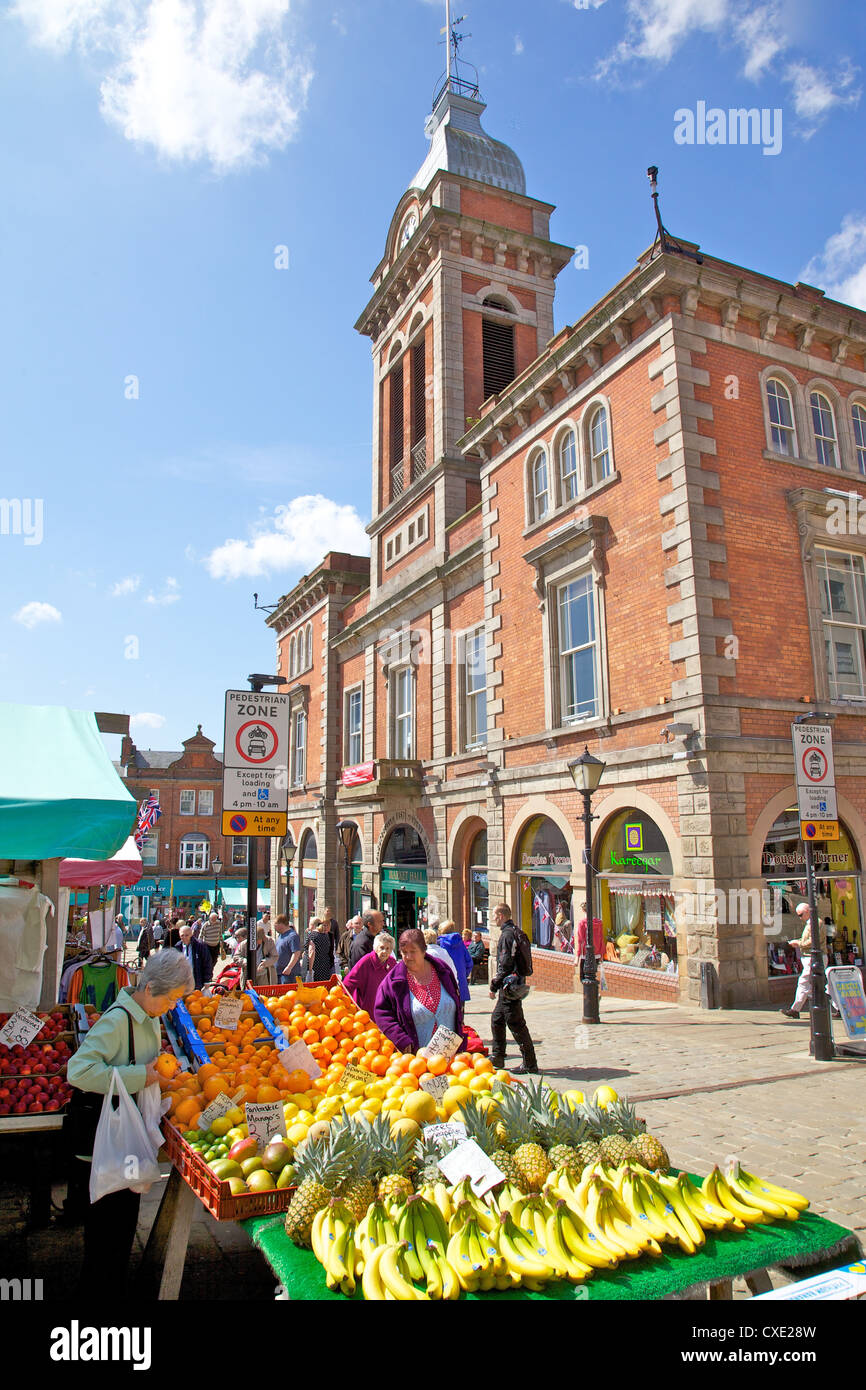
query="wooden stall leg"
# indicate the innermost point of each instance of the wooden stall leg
(721, 1290)
(759, 1282)
(161, 1269)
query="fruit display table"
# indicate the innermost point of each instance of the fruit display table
(40, 1132)
(727, 1255)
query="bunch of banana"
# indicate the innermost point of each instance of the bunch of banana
(528, 1264)
(440, 1196)
(476, 1258)
(472, 1206)
(579, 1240)
(386, 1276)
(663, 1209)
(333, 1242)
(374, 1230)
(544, 1224)
(425, 1235)
(778, 1202)
(504, 1198)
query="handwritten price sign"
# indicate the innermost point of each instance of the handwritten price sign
(444, 1043)
(221, 1105)
(353, 1073)
(470, 1161)
(435, 1086)
(264, 1121)
(297, 1056)
(21, 1029)
(228, 1014)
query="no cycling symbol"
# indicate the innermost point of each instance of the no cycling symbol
(814, 764)
(256, 741)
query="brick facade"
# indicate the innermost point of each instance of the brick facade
(690, 548)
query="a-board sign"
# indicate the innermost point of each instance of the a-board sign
(255, 763)
(845, 984)
(21, 1028)
(264, 1121)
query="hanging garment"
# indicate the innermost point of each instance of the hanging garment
(97, 984)
(542, 919)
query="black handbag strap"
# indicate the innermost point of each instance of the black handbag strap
(130, 1047)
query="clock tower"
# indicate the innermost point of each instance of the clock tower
(462, 304)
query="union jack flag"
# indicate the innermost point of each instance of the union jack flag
(148, 814)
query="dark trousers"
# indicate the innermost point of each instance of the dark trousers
(214, 951)
(109, 1230)
(508, 1013)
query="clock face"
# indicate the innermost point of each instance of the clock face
(409, 227)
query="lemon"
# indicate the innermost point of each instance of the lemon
(377, 1090)
(221, 1126)
(605, 1096)
(574, 1098)
(354, 1105)
(355, 1088)
(454, 1096)
(297, 1133)
(391, 1106)
(371, 1107)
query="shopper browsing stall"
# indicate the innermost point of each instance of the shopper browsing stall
(419, 995)
(364, 979)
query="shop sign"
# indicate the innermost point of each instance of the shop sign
(621, 861)
(397, 878)
(846, 988)
(545, 861)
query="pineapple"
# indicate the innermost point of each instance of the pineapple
(320, 1168)
(517, 1120)
(477, 1128)
(393, 1158)
(358, 1191)
(616, 1149)
(427, 1156)
(651, 1153)
(564, 1135)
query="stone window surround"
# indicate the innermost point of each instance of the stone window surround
(390, 678)
(420, 522)
(299, 702)
(579, 425)
(479, 749)
(804, 435)
(558, 560)
(810, 510)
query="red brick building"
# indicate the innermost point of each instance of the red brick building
(641, 535)
(180, 850)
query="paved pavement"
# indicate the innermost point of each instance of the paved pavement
(709, 1084)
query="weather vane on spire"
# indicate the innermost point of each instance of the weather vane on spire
(453, 41)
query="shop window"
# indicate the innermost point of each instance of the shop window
(544, 874)
(842, 587)
(479, 894)
(837, 888)
(187, 803)
(205, 803)
(194, 854)
(634, 898)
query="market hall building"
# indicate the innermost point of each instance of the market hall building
(624, 535)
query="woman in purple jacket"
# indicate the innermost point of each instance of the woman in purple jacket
(364, 979)
(418, 996)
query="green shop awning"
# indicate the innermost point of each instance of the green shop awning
(237, 896)
(60, 797)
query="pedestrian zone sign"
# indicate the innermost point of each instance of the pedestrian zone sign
(255, 763)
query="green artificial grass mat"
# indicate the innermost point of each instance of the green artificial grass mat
(725, 1255)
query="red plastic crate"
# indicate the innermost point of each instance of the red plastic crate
(212, 1192)
(290, 988)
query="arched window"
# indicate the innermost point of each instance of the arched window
(568, 466)
(540, 485)
(781, 411)
(598, 438)
(497, 340)
(824, 426)
(858, 422)
(292, 650)
(309, 645)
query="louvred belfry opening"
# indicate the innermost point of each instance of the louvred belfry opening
(396, 437)
(498, 348)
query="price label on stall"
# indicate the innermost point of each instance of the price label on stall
(470, 1161)
(435, 1086)
(451, 1133)
(444, 1043)
(353, 1073)
(228, 1014)
(21, 1029)
(221, 1105)
(297, 1056)
(264, 1121)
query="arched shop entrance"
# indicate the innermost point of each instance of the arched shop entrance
(403, 880)
(634, 900)
(544, 878)
(307, 882)
(479, 897)
(356, 881)
(837, 887)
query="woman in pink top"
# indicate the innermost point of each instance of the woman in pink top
(364, 979)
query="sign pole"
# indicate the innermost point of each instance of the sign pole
(821, 1043)
(252, 907)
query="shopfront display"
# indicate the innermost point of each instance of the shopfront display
(403, 880)
(479, 895)
(635, 902)
(307, 878)
(837, 887)
(544, 875)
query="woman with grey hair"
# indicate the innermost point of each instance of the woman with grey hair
(431, 936)
(127, 1037)
(364, 979)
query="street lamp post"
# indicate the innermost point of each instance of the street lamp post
(217, 866)
(289, 851)
(586, 772)
(346, 829)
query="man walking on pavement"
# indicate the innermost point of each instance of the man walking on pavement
(508, 1012)
(803, 997)
(211, 934)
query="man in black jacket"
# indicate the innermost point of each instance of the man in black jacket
(371, 924)
(509, 1012)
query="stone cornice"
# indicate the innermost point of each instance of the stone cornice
(308, 593)
(390, 607)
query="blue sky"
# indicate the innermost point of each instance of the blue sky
(183, 422)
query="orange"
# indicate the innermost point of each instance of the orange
(167, 1065)
(215, 1086)
(310, 1035)
(379, 1066)
(362, 1016)
(418, 1066)
(298, 1081)
(437, 1065)
(483, 1064)
(185, 1111)
(267, 1093)
(409, 1082)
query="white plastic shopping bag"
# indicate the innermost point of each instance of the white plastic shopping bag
(124, 1153)
(153, 1107)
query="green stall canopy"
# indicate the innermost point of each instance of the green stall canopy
(60, 797)
(237, 896)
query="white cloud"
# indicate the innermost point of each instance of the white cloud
(518, 45)
(215, 80)
(840, 268)
(32, 614)
(815, 93)
(657, 29)
(761, 34)
(125, 586)
(337, 23)
(296, 537)
(147, 721)
(170, 593)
